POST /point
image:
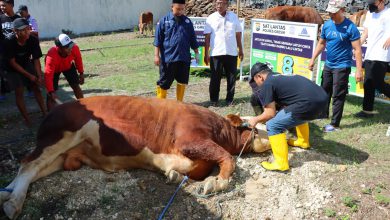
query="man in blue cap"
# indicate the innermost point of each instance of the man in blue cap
(175, 35)
(300, 99)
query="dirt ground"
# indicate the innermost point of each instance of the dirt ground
(312, 189)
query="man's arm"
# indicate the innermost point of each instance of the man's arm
(207, 49)
(22, 71)
(320, 47)
(157, 56)
(239, 45)
(359, 60)
(269, 112)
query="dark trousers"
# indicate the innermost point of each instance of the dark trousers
(374, 79)
(217, 65)
(335, 84)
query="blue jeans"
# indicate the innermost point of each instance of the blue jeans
(281, 122)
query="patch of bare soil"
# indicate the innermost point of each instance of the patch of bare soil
(312, 189)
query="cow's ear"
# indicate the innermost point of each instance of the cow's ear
(234, 120)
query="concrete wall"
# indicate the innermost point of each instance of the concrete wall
(85, 16)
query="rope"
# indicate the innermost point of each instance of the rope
(251, 136)
(6, 190)
(171, 199)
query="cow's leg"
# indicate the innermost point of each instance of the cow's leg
(209, 153)
(27, 174)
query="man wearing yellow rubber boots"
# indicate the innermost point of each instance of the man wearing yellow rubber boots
(174, 37)
(300, 99)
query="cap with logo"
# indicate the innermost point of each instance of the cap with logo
(335, 5)
(64, 40)
(22, 8)
(257, 68)
(20, 23)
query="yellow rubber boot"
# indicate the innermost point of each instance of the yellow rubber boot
(180, 91)
(302, 140)
(161, 93)
(280, 151)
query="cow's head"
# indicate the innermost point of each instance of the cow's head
(260, 142)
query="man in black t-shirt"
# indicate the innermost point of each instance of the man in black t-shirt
(6, 32)
(300, 99)
(22, 66)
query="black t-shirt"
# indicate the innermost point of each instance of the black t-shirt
(7, 26)
(22, 54)
(296, 94)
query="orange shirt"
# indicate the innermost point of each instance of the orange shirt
(54, 63)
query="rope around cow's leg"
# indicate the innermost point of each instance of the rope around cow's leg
(6, 190)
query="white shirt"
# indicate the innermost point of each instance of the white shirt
(378, 25)
(222, 30)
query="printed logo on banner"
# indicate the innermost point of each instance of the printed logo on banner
(304, 33)
(258, 26)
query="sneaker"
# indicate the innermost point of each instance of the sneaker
(363, 114)
(330, 128)
(30, 95)
(214, 104)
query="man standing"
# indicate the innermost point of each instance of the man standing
(6, 18)
(377, 58)
(23, 11)
(301, 101)
(339, 35)
(222, 37)
(64, 57)
(175, 35)
(23, 67)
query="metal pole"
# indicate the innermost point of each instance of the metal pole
(238, 8)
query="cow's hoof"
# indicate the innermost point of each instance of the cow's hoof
(4, 196)
(214, 184)
(174, 177)
(10, 210)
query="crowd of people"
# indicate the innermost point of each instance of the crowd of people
(20, 64)
(284, 102)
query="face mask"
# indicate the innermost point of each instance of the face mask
(373, 8)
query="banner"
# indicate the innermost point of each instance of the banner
(286, 46)
(353, 87)
(199, 24)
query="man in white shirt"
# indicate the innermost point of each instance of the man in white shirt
(222, 36)
(377, 58)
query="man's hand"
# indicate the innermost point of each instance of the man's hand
(387, 44)
(36, 80)
(311, 65)
(358, 76)
(81, 79)
(253, 122)
(241, 55)
(157, 60)
(206, 59)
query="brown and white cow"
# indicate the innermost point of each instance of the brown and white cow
(120, 132)
(359, 17)
(295, 14)
(145, 22)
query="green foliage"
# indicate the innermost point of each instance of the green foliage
(351, 203)
(330, 213)
(106, 200)
(198, 72)
(382, 200)
(367, 191)
(343, 217)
